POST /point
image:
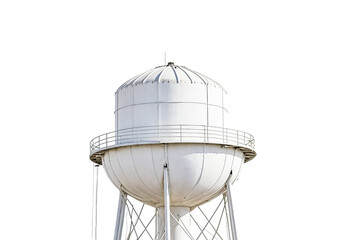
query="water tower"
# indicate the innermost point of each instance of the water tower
(171, 150)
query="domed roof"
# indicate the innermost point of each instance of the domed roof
(171, 73)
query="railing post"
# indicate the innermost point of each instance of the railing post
(158, 133)
(237, 137)
(137, 131)
(106, 140)
(223, 135)
(226, 131)
(180, 133)
(204, 134)
(244, 139)
(207, 133)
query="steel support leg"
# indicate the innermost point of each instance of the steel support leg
(166, 203)
(157, 224)
(120, 216)
(94, 207)
(231, 212)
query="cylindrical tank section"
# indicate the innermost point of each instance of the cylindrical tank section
(170, 95)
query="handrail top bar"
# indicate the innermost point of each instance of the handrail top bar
(155, 127)
(198, 134)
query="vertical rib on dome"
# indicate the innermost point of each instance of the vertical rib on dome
(171, 73)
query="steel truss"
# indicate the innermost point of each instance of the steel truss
(140, 223)
(207, 224)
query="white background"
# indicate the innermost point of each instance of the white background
(291, 69)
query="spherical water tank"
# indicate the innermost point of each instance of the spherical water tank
(172, 116)
(197, 172)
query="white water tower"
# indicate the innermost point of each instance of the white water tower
(171, 150)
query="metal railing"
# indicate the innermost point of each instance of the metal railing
(172, 134)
